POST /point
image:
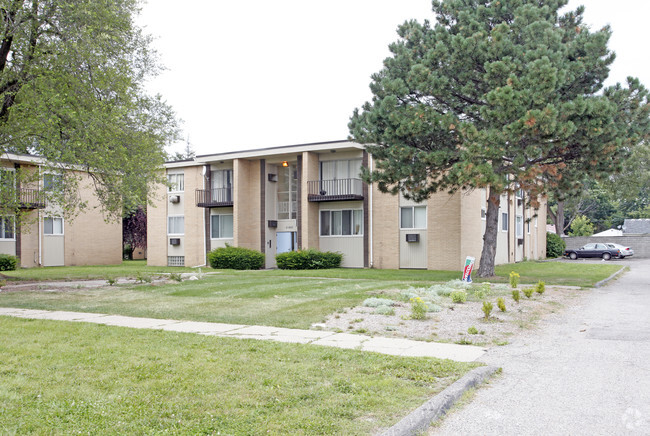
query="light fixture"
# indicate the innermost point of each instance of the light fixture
(285, 163)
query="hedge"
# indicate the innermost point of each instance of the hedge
(235, 258)
(8, 262)
(308, 259)
(555, 245)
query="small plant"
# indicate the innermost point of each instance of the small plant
(235, 258)
(111, 281)
(376, 302)
(459, 296)
(142, 278)
(516, 295)
(176, 276)
(8, 262)
(385, 310)
(482, 291)
(514, 279)
(472, 330)
(418, 308)
(501, 304)
(540, 288)
(528, 292)
(487, 309)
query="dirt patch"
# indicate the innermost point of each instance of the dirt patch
(452, 323)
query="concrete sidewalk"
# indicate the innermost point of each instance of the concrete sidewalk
(393, 346)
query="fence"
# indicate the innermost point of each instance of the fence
(639, 243)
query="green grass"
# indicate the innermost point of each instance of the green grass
(68, 378)
(128, 268)
(558, 273)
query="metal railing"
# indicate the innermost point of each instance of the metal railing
(338, 189)
(31, 198)
(214, 197)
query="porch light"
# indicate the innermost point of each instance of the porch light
(285, 163)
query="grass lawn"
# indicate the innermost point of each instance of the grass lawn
(294, 299)
(68, 378)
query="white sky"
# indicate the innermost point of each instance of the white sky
(248, 74)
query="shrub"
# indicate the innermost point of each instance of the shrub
(308, 259)
(514, 279)
(235, 258)
(8, 262)
(434, 307)
(487, 309)
(501, 304)
(515, 295)
(176, 276)
(459, 296)
(472, 330)
(528, 292)
(376, 302)
(418, 308)
(385, 310)
(540, 287)
(554, 245)
(111, 281)
(481, 291)
(581, 226)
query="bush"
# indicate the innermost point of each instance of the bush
(487, 309)
(235, 258)
(516, 296)
(8, 262)
(385, 310)
(418, 308)
(528, 292)
(459, 296)
(514, 279)
(501, 304)
(376, 302)
(308, 259)
(540, 287)
(554, 245)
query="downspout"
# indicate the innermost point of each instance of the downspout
(205, 244)
(38, 218)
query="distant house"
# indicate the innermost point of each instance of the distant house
(610, 232)
(311, 196)
(44, 236)
(636, 226)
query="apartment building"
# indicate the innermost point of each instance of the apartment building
(310, 196)
(41, 234)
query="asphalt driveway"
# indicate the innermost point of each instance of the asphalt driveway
(585, 372)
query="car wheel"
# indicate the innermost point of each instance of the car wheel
(621, 257)
(573, 256)
(607, 256)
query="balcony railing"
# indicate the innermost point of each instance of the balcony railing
(31, 199)
(334, 190)
(218, 197)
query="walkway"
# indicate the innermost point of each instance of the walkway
(393, 346)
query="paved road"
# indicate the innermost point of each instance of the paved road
(587, 372)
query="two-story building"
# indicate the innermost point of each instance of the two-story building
(40, 234)
(311, 196)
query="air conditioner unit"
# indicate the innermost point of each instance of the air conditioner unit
(412, 237)
(174, 198)
(272, 177)
(273, 224)
(174, 241)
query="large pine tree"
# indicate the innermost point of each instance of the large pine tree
(497, 94)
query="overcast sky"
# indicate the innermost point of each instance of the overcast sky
(257, 73)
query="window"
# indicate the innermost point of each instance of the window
(413, 217)
(528, 226)
(340, 169)
(341, 222)
(52, 226)
(483, 214)
(221, 185)
(175, 260)
(220, 226)
(176, 225)
(287, 193)
(7, 178)
(504, 221)
(519, 226)
(176, 182)
(52, 181)
(7, 227)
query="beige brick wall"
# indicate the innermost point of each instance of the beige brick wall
(443, 231)
(246, 211)
(472, 226)
(310, 229)
(194, 239)
(90, 238)
(385, 230)
(157, 227)
(29, 240)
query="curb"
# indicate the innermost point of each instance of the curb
(610, 278)
(422, 417)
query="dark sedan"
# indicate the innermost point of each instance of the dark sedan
(593, 250)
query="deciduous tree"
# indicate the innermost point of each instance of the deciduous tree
(497, 94)
(72, 76)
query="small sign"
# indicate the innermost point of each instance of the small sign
(467, 271)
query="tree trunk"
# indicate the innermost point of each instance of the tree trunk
(559, 218)
(486, 267)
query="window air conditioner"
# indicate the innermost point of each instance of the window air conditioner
(174, 198)
(412, 237)
(174, 241)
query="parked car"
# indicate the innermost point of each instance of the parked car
(625, 251)
(593, 250)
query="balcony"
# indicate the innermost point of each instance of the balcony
(31, 199)
(219, 197)
(335, 190)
